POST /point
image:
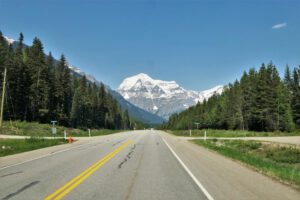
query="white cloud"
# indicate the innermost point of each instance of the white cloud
(278, 26)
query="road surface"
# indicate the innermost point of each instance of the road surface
(133, 165)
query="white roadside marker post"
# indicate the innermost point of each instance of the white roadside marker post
(65, 134)
(53, 128)
(89, 132)
(190, 132)
(205, 135)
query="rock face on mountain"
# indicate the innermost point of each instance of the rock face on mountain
(162, 98)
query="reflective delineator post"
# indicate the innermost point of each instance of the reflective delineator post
(65, 134)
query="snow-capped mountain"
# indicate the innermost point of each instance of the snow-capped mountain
(162, 98)
(88, 77)
(9, 40)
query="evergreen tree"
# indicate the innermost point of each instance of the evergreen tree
(296, 97)
(38, 74)
(52, 90)
(260, 101)
(41, 89)
(3, 51)
(18, 81)
(64, 91)
(287, 79)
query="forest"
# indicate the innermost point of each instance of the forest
(260, 101)
(40, 88)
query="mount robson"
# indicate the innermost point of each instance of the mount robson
(162, 98)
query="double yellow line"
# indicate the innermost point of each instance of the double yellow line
(67, 188)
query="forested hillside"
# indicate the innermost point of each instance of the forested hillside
(40, 89)
(259, 101)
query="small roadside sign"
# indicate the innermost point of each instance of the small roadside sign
(54, 130)
(53, 127)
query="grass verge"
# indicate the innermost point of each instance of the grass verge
(280, 162)
(230, 133)
(14, 146)
(35, 129)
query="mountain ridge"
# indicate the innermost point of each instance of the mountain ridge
(134, 111)
(162, 98)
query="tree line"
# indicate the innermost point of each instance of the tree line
(41, 89)
(259, 101)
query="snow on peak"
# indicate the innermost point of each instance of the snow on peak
(215, 90)
(145, 81)
(78, 71)
(142, 76)
(136, 80)
(9, 40)
(161, 97)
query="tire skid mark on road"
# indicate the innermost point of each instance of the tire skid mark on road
(10, 174)
(127, 157)
(120, 141)
(21, 190)
(135, 174)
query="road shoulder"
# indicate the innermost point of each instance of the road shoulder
(17, 159)
(224, 178)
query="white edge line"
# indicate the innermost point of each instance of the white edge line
(208, 196)
(43, 156)
(39, 157)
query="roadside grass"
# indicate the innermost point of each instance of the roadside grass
(230, 133)
(275, 160)
(36, 129)
(14, 146)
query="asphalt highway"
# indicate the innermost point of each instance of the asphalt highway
(133, 165)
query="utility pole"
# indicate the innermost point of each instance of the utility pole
(3, 96)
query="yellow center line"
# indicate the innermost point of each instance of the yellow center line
(68, 187)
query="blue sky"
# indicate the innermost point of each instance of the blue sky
(199, 44)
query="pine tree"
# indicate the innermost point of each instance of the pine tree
(76, 116)
(259, 101)
(295, 103)
(18, 81)
(52, 93)
(93, 95)
(126, 120)
(285, 118)
(64, 91)
(38, 74)
(102, 109)
(288, 79)
(3, 51)
(39, 89)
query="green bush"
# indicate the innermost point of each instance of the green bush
(284, 155)
(13, 146)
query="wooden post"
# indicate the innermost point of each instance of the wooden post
(3, 97)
